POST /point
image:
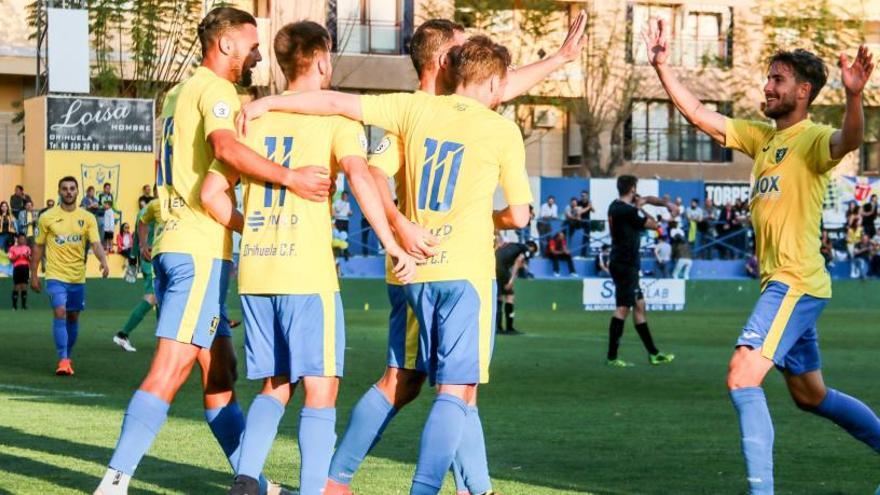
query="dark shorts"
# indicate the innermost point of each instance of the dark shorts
(626, 284)
(21, 274)
(501, 278)
(108, 236)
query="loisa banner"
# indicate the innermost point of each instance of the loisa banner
(661, 294)
(99, 124)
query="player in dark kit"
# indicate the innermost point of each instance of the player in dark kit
(509, 259)
(627, 220)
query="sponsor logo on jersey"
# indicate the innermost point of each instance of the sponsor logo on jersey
(766, 186)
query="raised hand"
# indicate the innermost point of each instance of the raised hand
(655, 36)
(856, 75)
(574, 43)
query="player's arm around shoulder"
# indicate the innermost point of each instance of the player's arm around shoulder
(216, 198)
(513, 178)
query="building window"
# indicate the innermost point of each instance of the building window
(869, 161)
(699, 37)
(369, 26)
(657, 132)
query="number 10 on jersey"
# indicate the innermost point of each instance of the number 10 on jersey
(442, 163)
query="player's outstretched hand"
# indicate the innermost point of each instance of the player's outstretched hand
(250, 111)
(856, 75)
(657, 42)
(404, 264)
(416, 240)
(35, 284)
(311, 183)
(574, 43)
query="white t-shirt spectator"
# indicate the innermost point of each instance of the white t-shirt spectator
(663, 251)
(109, 220)
(341, 209)
(549, 211)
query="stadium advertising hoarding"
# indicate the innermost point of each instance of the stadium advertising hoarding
(723, 193)
(661, 294)
(842, 191)
(99, 124)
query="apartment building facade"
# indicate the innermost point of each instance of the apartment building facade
(371, 55)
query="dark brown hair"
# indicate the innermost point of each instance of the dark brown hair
(428, 38)
(220, 20)
(479, 59)
(296, 44)
(806, 66)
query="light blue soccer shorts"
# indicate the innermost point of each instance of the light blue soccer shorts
(783, 326)
(191, 290)
(456, 325)
(71, 296)
(293, 335)
(403, 333)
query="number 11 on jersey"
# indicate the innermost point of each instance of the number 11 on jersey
(439, 165)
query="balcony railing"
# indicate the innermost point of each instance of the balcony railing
(374, 37)
(690, 52)
(674, 145)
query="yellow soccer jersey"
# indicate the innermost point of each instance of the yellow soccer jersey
(457, 153)
(153, 214)
(193, 110)
(66, 235)
(789, 179)
(286, 244)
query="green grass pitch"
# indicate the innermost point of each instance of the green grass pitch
(557, 420)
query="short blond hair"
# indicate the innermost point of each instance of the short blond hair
(478, 59)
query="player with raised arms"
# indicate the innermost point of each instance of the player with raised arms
(793, 163)
(404, 375)
(192, 255)
(457, 152)
(64, 232)
(294, 327)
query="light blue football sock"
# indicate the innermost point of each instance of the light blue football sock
(263, 418)
(852, 415)
(756, 429)
(227, 425)
(471, 455)
(440, 440)
(368, 420)
(143, 418)
(317, 436)
(72, 334)
(59, 333)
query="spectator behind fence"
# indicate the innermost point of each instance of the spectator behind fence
(106, 196)
(525, 234)
(90, 203)
(7, 226)
(18, 200)
(340, 242)
(707, 228)
(694, 215)
(108, 226)
(146, 195)
(342, 212)
(124, 241)
(875, 255)
(27, 222)
(557, 249)
(827, 249)
(586, 209)
(662, 257)
(681, 253)
(49, 204)
(602, 260)
(869, 216)
(548, 213)
(572, 218)
(861, 257)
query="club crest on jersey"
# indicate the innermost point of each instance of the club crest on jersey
(766, 186)
(780, 154)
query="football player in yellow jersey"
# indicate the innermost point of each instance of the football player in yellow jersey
(294, 328)
(458, 152)
(65, 231)
(793, 162)
(404, 375)
(192, 255)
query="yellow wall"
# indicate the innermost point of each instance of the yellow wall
(10, 92)
(10, 176)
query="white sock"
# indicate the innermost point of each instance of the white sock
(114, 483)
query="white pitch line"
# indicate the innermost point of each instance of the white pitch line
(46, 392)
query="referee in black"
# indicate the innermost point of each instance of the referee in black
(509, 259)
(627, 220)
